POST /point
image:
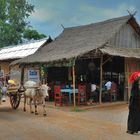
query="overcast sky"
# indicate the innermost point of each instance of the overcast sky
(50, 14)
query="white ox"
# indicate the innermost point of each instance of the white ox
(35, 94)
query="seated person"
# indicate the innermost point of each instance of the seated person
(108, 85)
(111, 89)
(11, 84)
(94, 94)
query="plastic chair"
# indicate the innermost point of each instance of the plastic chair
(81, 98)
(59, 98)
(113, 92)
(57, 95)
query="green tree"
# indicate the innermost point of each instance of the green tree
(32, 34)
(13, 20)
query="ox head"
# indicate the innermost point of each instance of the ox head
(44, 89)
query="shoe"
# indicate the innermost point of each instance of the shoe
(129, 132)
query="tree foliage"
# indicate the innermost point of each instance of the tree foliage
(13, 21)
(30, 34)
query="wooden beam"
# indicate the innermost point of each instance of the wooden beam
(22, 76)
(73, 75)
(107, 60)
(101, 78)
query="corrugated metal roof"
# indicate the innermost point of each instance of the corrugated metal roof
(22, 50)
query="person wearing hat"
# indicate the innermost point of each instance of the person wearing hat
(11, 82)
(133, 124)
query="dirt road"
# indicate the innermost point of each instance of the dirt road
(96, 124)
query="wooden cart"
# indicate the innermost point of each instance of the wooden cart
(15, 96)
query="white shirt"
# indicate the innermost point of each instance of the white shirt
(93, 87)
(108, 85)
(4, 90)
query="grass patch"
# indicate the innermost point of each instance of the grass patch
(53, 107)
(76, 109)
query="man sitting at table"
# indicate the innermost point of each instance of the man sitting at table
(108, 85)
(94, 94)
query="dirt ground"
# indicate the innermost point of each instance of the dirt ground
(107, 123)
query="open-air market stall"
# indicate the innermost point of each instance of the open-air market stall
(90, 54)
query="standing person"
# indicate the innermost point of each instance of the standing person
(133, 124)
(4, 91)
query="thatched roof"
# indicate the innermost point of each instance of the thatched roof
(77, 41)
(122, 52)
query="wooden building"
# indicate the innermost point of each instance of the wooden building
(11, 53)
(113, 45)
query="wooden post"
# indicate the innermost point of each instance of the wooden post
(101, 78)
(40, 74)
(22, 76)
(73, 77)
(22, 88)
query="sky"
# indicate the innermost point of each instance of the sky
(49, 15)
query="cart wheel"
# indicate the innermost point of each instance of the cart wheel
(15, 100)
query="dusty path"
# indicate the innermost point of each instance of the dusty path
(97, 124)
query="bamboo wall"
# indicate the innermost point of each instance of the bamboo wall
(5, 67)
